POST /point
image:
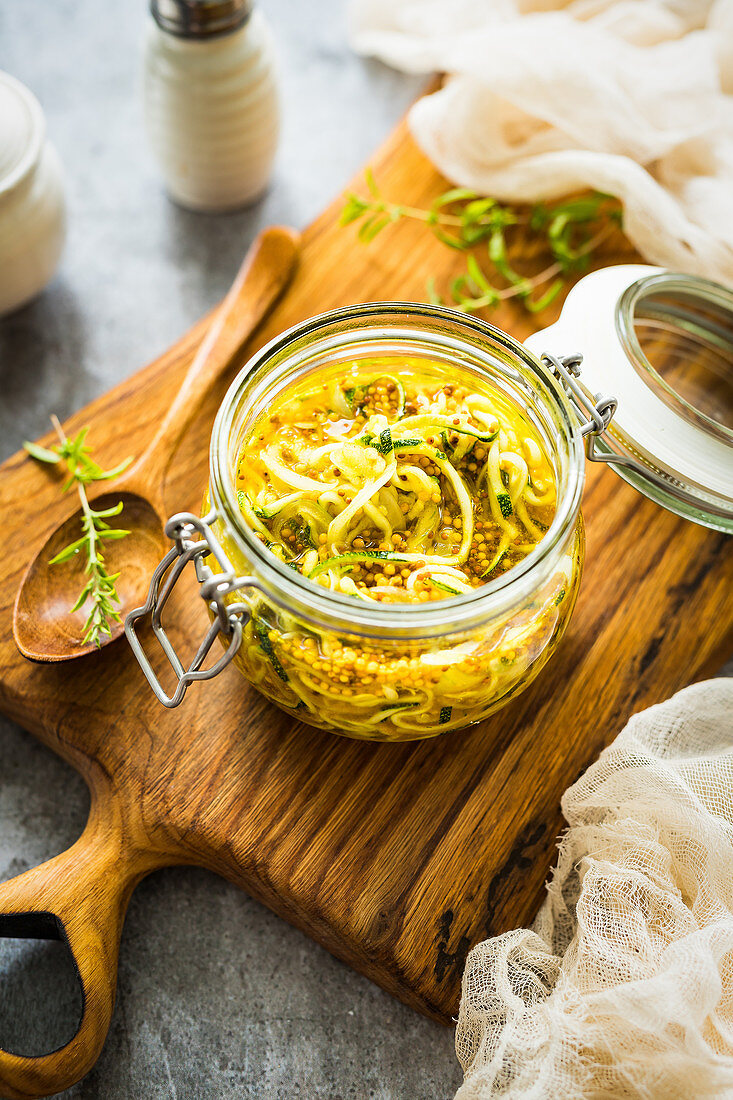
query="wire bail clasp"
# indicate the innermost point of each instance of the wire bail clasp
(228, 617)
(596, 414)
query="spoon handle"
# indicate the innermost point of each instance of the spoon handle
(266, 271)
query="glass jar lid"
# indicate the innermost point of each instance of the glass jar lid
(662, 344)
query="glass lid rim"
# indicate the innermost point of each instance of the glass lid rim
(695, 286)
(469, 605)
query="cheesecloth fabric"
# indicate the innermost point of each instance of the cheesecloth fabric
(624, 987)
(547, 97)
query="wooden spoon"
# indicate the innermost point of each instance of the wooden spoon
(44, 627)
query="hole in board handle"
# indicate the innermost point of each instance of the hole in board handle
(41, 997)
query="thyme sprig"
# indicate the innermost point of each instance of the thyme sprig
(100, 588)
(463, 220)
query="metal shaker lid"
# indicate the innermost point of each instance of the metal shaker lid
(200, 18)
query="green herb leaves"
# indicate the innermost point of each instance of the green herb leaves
(463, 220)
(100, 585)
(42, 453)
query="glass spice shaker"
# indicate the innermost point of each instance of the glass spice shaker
(211, 100)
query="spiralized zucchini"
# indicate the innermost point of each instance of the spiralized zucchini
(386, 484)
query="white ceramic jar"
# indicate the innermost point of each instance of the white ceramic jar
(32, 206)
(211, 101)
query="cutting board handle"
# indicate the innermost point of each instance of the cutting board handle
(79, 896)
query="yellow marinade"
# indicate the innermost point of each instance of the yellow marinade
(387, 484)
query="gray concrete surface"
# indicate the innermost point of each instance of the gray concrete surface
(217, 997)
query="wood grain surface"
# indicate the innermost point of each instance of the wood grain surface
(397, 858)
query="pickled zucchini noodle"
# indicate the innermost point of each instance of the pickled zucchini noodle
(390, 486)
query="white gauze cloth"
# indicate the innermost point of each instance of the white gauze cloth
(631, 97)
(624, 987)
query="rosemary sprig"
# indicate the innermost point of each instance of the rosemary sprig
(100, 587)
(460, 219)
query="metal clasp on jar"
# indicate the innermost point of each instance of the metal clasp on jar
(228, 617)
(599, 413)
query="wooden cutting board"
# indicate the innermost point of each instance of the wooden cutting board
(397, 858)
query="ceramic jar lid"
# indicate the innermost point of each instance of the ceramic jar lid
(21, 131)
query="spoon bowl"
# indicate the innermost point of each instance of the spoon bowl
(44, 626)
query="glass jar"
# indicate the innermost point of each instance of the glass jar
(361, 669)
